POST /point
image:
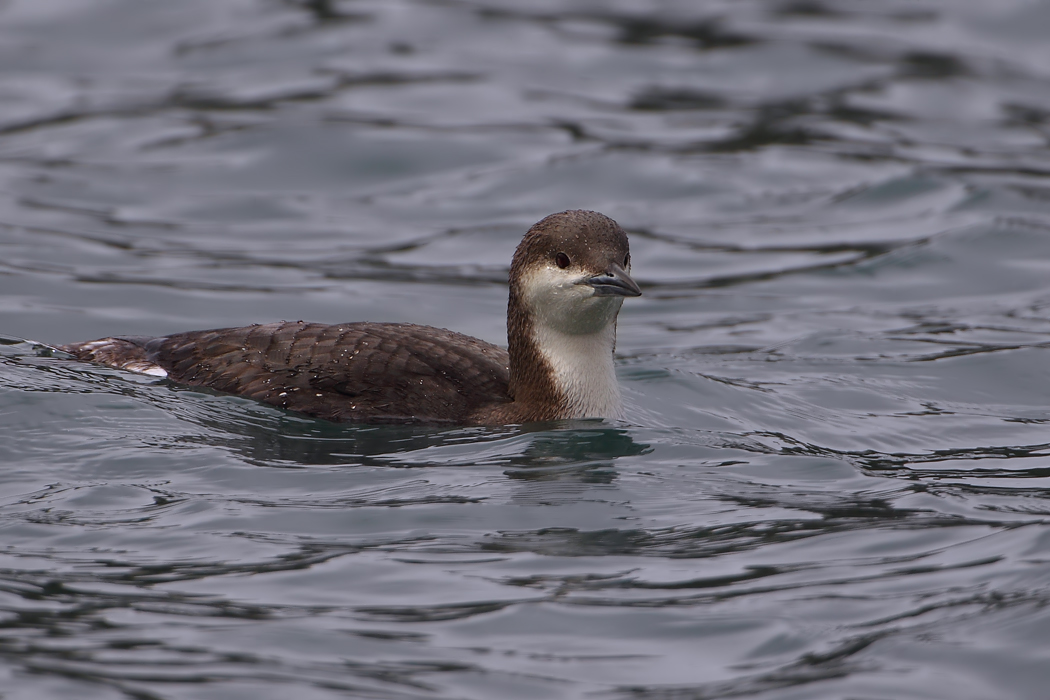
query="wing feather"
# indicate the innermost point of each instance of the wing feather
(346, 372)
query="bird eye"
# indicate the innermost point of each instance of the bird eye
(562, 259)
(626, 261)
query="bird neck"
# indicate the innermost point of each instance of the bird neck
(559, 374)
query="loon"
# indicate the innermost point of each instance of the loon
(568, 279)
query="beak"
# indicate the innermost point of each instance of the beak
(615, 282)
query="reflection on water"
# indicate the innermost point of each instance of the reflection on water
(833, 481)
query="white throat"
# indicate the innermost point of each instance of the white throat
(583, 370)
(575, 331)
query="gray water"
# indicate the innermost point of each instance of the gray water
(834, 477)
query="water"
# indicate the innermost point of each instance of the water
(834, 478)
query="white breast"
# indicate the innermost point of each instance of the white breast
(583, 370)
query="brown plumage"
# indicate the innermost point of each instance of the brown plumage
(384, 372)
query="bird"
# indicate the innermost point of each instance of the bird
(568, 278)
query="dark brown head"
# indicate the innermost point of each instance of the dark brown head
(572, 271)
(579, 242)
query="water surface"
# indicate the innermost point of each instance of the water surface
(833, 480)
